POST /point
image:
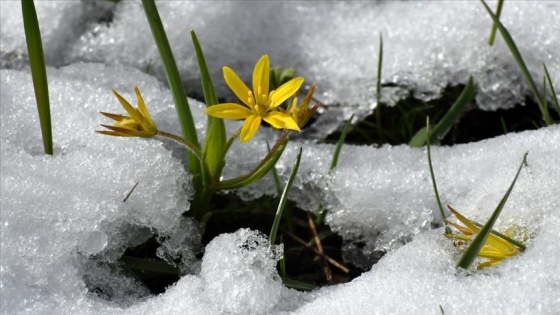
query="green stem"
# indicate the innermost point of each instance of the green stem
(38, 71)
(495, 26)
(181, 102)
(260, 170)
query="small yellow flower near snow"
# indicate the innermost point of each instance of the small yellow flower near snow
(259, 104)
(495, 248)
(302, 113)
(139, 123)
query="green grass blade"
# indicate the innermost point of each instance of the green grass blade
(444, 125)
(474, 248)
(258, 172)
(284, 199)
(213, 150)
(432, 176)
(38, 71)
(176, 85)
(378, 89)
(521, 246)
(494, 26)
(275, 175)
(554, 97)
(521, 64)
(298, 285)
(340, 143)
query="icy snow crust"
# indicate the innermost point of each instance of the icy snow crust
(63, 216)
(428, 45)
(64, 223)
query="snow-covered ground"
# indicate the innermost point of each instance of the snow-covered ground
(63, 221)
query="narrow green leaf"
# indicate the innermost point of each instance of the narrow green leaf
(215, 129)
(494, 26)
(521, 64)
(284, 199)
(554, 97)
(444, 125)
(340, 142)
(258, 172)
(275, 176)
(521, 246)
(476, 245)
(38, 71)
(178, 91)
(298, 285)
(283, 260)
(432, 176)
(378, 96)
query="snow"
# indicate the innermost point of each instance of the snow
(64, 223)
(428, 45)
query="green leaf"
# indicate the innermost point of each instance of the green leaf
(213, 150)
(38, 71)
(494, 26)
(476, 245)
(258, 172)
(444, 125)
(378, 94)
(275, 175)
(181, 103)
(284, 199)
(432, 176)
(554, 97)
(340, 142)
(298, 285)
(521, 64)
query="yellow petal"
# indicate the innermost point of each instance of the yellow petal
(114, 116)
(250, 127)
(228, 111)
(126, 105)
(464, 220)
(236, 85)
(501, 245)
(280, 120)
(261, 77)
(142, 106)
(285, 91)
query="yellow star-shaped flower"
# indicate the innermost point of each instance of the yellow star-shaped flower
(495, 248)
(259, 104)
(138, 124)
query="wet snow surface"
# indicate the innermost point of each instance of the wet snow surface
(64, 222)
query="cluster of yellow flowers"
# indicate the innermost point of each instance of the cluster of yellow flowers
(258, 105)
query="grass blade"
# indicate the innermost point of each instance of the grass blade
(177, 89)
(378, 89)
(554, 97)
(446, 122)
(494, 26)
(284, 199)
(215, 128)
(429, 154)
(340, 142)
(275, 176)
(298, 285)
(474, 248)
(38, 71)
(521, 64)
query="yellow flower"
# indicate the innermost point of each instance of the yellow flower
(495, 249)
(138, 124)
(260, 104)
(302, 113)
